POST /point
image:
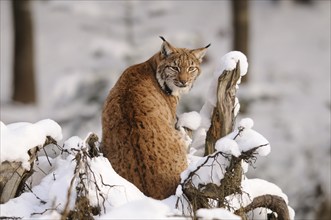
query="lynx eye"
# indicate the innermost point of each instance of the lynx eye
(192, 69)
(174, 68)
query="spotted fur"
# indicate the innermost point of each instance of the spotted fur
(138, 120)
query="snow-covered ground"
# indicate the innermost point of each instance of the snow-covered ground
(63, 181)
(82, 47)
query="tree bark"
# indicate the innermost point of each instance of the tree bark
(13, 177)
(23, 79)
(223, 117)
(240, 19)
(272, 202)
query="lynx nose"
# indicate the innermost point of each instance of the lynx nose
(182, 83)
(182, 79)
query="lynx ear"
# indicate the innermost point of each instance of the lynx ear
(200, 53)
(166, 48)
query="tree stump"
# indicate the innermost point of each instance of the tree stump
(13, 175)
(223, 118)
(222, 123)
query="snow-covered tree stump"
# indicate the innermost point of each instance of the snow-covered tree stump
(13, 174)
(225, 153)
(19, 153)
(223, 117)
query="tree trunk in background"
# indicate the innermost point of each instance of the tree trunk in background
(240, 19)
(23, 79)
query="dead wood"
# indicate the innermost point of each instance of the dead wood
(223, 118)
(83, 177)
(272, 202)
(222, 123)
(13, 175)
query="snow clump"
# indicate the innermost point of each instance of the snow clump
(18, 138)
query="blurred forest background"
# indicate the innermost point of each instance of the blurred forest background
(66, 56)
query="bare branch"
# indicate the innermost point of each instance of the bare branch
(10, 217)
(46, 210)
(272, 202)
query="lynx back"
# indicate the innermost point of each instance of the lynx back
(139, 135)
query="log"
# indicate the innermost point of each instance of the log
(10, 179)
(13, 175)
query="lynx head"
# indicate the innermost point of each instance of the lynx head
(178, 68)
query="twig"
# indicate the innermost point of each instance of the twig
(42, 201)
(105, 183)
(46, 210)
(66, 207)
(49, 162)
(10, 217)
(240, 130)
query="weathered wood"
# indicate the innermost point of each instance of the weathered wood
(223, 118)
(13, 175)
(10, 179)
(272, 202)
(222, 123)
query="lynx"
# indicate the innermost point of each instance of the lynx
(139, 135)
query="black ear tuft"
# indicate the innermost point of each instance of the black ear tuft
(207, 46)
(166, 48)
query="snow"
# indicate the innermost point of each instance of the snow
(211, 168)
(217, 213)
(208, 169)
(18, 138)
(242, 139)
(146, 208)
(179, 191)
(287, 94)
(53, 188)
(228, 146)
(189, 120)
(227, 63)
(248, 138)
(205, 113)
(246, 123)
(56, 181)
(122, 192)
(259, 187)
(74, 142)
